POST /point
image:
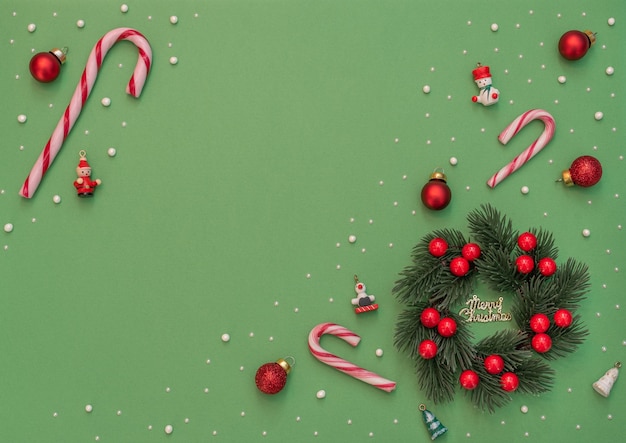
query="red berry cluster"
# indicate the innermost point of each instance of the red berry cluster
(525, 263)
(459, 266)
(539, 324)
(494, 365)
(446, 327)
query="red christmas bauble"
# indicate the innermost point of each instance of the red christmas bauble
(46, 66)
(469, 379)
(527, 241)
(470, 251)
(437, 247)
(436, 194)
(541, 343)
(494, 364)
(573, 45)
(427, 349)
(525, 264)
(270, 378)
(429, 317)
(509, 381)
(585, 171)
(459, 266)
(563, 318)
(547, 266)
(539, 323)
(446, 327)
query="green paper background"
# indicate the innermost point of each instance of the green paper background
(285, 127)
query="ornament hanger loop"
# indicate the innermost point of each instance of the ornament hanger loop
(422, 407)
(618, 364)
(82, 153)
(291, 360)
(356, 279)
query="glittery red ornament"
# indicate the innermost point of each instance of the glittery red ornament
(446, 327)
(470, 251)
(547, 266)
(573, 45)
(429, 317)
(563, 318)
(541, 343)
(46, 66)
(469, 379)
(525, 264)
(539, 323)
(427, 349)
(494, 364)
(527, 241)
(437, 247)
(509, 381)
(270, 378)
(436, 194)
(459, 266)
(585, 171)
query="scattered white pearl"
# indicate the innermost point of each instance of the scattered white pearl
(173, 60)
(225, 338)
(243, 413)
(598, 115)
(561, 79)
(119, 412)
(88, 408)
(349, 421)
(168, 389)
(241, 368)
(611, 21)
(524, 409)
(396, 140)
(298, 418)
(586, 232)
(525, 190)
(169, 429)
(56, 199)
(206, 390)
(371, 434)
(106, 101)
(352, 238)
(494, 27)
(543, 417)
(610, 70)
(186, 420)
(321, 393)
(31, 27)
(577, 426)
(8, 227)
(21, 118)
(330, 300)
(610, 417)
(426, 89)
(379, 352)
(308, 276)
(111, 152)
(173, 19)
(276, 303)
(80, 23)
(296, 310)
(124, 8)
(603, 348)
(123, 124)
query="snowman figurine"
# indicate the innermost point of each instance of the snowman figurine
(488, 95)
(363, 301)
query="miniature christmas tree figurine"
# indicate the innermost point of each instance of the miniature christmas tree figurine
(488, 95)
(84, 184)
(363, 301)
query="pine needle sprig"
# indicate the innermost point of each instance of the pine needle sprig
(491, 229)
(436, 380)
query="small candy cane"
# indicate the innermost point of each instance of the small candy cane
(339, 363)
(83, 89)
(509, 132)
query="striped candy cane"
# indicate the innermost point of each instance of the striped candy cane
(509, 132)
(83, 89)
(339, 363)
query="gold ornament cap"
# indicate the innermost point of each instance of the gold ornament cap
(591, 36)
(438, 175)
(567, 178)
(284, 363)
(59, 53)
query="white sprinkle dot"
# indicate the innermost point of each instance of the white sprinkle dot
(206, 390)
(173, 60)
(243, 413)
(111, 152)
(610, 70)
(577, 426)
(241, 368)
(561, 79)
(525, 190)
(396, 140)
(119, 412)
(321, 394)
(586, 232)
(494, 27)
(8, 227)
(124, 8)
(524, 409)
(598, 115)
(308, 276)
(331, 299)
(106, 101)
(173, 19)
(379, 352)
(352, 238)
(56, 199)
(296, 310)
(225, 337)
(611, 21)
(80, 23)
(169, 429)
(123, 124)
(610, 417)
(276, 303)
(88, 408)
(186, 420)
(603, 348)
(168, 389)
(426, 89)
(32, 27)
(298, 419)
(371, 434)
(21, 118)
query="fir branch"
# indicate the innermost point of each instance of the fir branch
(491, 229)
(535, 376)
(572, 282)
(488, 395)
(410, 332)
(438, 381)
(566, 340)
(457, 351)
(508, 344)
(545, 245)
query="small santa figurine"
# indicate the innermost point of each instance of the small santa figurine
(84, 184)
(488, 95)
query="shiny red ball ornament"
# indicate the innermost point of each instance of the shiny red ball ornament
(494, 364)
(539, 323)
(437, 247)
(509, 381)
(436, 194)
(446, 327)
(527, 241)
(470, 251)
(427, 349)
(525, 264)
(541, 343)
(547, 266)
(563, 318)
(585, 171)
(459, 266)
(573, 45)
(429, 317)
(469, 379)
(46, 66)
(270, 378)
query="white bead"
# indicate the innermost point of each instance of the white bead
(611, 21)
(124, 8)
(80, 23)
(111, 152)
(106, 101)
(8, 227)
(173, 60)
(173, 19)
(56, 199)
(31, 27)
(225, 338)
(453, 161)
(598, 115)
(379, 352)
(169, 429)
(88, 408)
(525, 190)
(610, 70)
(321, 394)
(524, 409)
(352, 238)
(21, 118)
(426, 89)
(586, 232)
(494, 27)
(561, 79)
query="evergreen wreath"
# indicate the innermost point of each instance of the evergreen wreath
(429, 284)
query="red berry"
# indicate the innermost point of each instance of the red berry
(427, 349)
(562, 318)
(509, 381)
(525, 264)
(446, 327)
(459, 266)
(527, 241)
(494, 364)
(470, 251)
(539, 323)
(547, 266)
(469, 379)
(541, 343)
(437, 247)
(429, 317)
